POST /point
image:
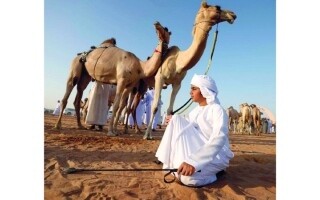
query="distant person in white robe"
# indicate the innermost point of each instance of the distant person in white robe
(130, 120)
(140, 112)
(57, 109)
(148, 99)
(164, 116)
(139, 115)
(269, 126)
(97, 114)
(199, 142)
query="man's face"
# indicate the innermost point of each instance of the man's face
(195, 94)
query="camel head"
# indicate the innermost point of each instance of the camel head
(110, 41)
(253, 105)
(162, 32)
(212, 15)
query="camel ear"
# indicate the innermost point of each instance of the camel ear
(204, 4)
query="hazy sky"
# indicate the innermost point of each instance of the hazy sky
(244, 61)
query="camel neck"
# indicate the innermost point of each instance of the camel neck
(151, 65)
(189, 58)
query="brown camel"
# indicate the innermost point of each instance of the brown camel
(245, 117)
(233, 115)
(256, 117)
(112, 65)
(176, 62)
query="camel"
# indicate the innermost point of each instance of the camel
(112, 65)
(256, 117)
(245, 117)
(233, 115)
(176, 62)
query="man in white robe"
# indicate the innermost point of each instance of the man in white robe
(57, 109)
(164, 116)
(140, 112)
(198, 146)
(148, 99)
(97, 114)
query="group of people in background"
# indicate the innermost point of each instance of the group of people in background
(96, 114)
(267, 126)
(143, 111)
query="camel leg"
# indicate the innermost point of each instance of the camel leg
(154, 107)
(81, 86)
(64, 101)
(122, 104)
(128, 111)
(136, 102)
(174, 92)
(133, 102)
(115, 107)
(73, 78)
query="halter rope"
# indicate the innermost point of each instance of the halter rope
(165, 179)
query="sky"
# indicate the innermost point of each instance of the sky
(244, 60)
(28, 80)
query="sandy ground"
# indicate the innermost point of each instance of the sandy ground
(251, 175)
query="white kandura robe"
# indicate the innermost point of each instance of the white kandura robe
(164, 118)
(148, 99)
(130, 120)
(140, 112)
(57, 109)
(98, 104)
(202, 141)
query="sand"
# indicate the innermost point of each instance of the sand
(251, 174)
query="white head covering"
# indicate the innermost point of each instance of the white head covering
(208, 87)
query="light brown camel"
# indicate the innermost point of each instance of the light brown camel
(256, 117)
(233, 115)
(112, 65)
(177, 62)
(245, 116)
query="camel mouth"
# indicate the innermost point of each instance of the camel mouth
(231, 17)
(157, 23)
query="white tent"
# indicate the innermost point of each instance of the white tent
(267, 113)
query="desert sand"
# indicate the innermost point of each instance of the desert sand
(251, 174)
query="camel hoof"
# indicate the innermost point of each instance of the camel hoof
(81, 127)
(138, 133)
(56, 127)
(147, 137)
(112, 134)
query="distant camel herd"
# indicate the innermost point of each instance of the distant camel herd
(248, 120)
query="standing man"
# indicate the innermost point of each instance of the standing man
(57, 109)
(97, 114)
